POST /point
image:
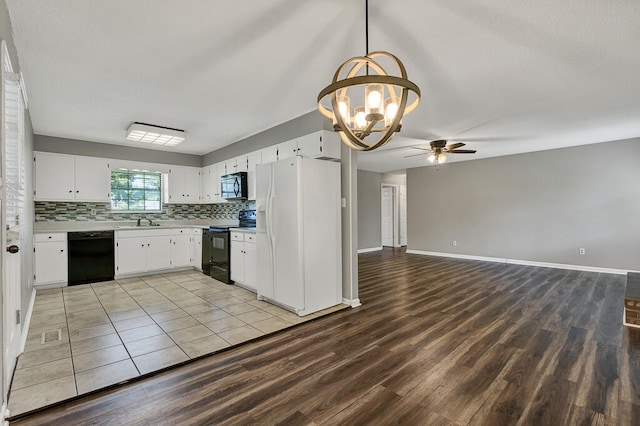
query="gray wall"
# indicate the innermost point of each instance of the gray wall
(120, 152)
(540, 206)
(300, 126)
(369, 209)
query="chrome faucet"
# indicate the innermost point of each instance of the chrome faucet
(150, 222)
(138, 224)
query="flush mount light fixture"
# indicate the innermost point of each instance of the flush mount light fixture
(156, 135)
(384, 98)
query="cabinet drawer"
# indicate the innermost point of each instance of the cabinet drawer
(197, 231)
(42, 238)
(237, 236)
(250, 238)
(134, 233)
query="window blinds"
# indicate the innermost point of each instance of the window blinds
(12, 145)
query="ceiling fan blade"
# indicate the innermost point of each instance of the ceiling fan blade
(419, 147)
(455, 146)
(463, 151)
(414, 155)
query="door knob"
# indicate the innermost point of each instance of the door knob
(13, 249)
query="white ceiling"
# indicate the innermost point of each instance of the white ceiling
(506, 76)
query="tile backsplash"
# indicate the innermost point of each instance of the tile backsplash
(47, 211)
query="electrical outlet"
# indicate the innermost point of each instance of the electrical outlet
(582, 251)
(454, 243)
(93, 212)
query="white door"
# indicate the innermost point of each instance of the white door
(11, 209)
(403, 215)
(387, 216)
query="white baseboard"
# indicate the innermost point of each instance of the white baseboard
(525, 262)
(27, 320)
(354, 303)
(4, 412)
(367, 250)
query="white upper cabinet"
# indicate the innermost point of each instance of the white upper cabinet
(269, 154)
(60, 177)
(184, 185)
(287, 149)
(207, 188)
(321, 145)
(253, 160)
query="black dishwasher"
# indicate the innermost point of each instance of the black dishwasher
(91, 257)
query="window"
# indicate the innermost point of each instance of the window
(133, 191)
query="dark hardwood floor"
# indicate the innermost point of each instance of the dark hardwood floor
(437, 341)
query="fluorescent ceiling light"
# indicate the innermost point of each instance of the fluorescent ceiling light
(156, 135)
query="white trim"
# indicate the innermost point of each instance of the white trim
(457, 256)
(27, 320)
(367, 250)
(4, 412)
(525, 262)
(354, 303)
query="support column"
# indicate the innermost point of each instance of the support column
(349, 226)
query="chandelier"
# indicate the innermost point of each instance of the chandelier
(384, 98)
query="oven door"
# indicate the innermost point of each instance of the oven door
(220, 255)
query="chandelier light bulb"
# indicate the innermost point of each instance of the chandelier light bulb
(431, 158)
(359, 120)
(442, 158)
(344, 108)
(390, 110)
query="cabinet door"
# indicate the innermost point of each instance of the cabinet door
(220, 171)
(54, 177)
(92, 179)
(176, 185)
(310, 146)
(241, 163)
(250, 265)
(205, 185)
(287, 149)
(191, 185)
(131, 255)
(237, 261)
(158, 253)
(50, 262)
(253, 160)
(196, 246)
(181, 250)
(269, 154)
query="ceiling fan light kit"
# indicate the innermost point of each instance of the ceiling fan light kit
(385, 98)
(439, 149)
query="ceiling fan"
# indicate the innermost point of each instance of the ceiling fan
(439, 150)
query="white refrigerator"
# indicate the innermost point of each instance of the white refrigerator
(298, 234)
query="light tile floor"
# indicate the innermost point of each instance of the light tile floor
(87, 337)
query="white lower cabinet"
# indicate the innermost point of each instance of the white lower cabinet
(243, 259)
(181, 248)
(50, 260)
(196, 247)
(139, 251)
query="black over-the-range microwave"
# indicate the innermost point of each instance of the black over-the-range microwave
(234, 186)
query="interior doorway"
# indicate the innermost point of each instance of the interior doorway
(393, 217)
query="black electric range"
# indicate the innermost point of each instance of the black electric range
(216, 247)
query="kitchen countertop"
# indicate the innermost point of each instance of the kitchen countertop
(244, 229)
(75, 226)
